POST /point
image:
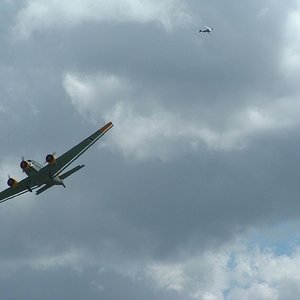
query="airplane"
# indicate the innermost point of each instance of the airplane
(45, 176)
(207, 29)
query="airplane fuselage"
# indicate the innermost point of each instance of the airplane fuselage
(39, 177)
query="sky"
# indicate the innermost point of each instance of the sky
(194, 193)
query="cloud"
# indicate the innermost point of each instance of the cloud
(148, 130)
(259, 291)
(170, 277)
(41, 15)
(71, 258)
(94, 96)
(232, 273)
(291, 56)
(10, 2)
(205, 145)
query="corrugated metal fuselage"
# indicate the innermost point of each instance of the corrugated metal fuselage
(38, 177)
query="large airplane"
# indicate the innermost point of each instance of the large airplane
(45, 176)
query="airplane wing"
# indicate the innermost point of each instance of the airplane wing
(68, 157)
(21, 188)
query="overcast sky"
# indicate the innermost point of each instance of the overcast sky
(194, 193)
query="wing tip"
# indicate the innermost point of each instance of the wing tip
(106, 127)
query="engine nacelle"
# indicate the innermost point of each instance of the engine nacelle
(50, 159)
(12, 182)
(24, 165)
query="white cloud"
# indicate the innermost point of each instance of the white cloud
(291, 49)
(95, 95)
(41, 14)
(259, 291)
(72, 258)
(200, 277)
(146, 130)
(233, 273)
(168, 276)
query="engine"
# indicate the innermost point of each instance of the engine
(12, 182)
(24, 165)
(50, 159)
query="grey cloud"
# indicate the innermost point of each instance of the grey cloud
(124, 212)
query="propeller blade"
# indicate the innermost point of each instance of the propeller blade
(23, 158)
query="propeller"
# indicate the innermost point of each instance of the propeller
(10, 180)
(53, 153)
(23, 159)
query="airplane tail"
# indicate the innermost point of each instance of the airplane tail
(43, 189)
(68, 173)
(62, 177)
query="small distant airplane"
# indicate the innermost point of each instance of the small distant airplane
(207, 29)
(44, 177)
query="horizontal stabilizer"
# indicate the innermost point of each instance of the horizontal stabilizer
(43, 189)
(68, 173)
